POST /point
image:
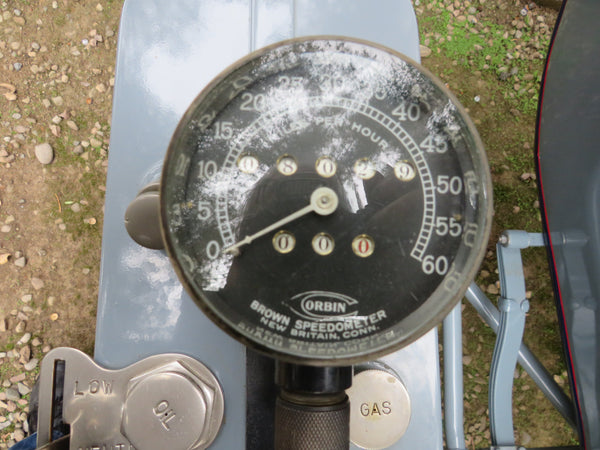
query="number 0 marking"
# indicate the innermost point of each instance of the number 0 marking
(363, 245)
(323, 244)
(247, 163)
(284, 241)
(326, 166)
(212, 250)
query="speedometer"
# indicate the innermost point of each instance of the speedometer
(326, 200)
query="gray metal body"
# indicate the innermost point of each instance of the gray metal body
(569, 174)
(168, 51)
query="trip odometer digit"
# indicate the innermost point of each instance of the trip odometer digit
(325, 199)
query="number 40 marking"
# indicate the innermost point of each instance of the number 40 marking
(407, 111)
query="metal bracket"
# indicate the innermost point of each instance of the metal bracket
(528, 361)
(164, 401)
(513, 307)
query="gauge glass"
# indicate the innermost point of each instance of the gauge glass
(345, 200)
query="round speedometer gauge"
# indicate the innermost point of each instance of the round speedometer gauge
(325, 200)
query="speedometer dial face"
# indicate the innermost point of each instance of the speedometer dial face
(325, 200)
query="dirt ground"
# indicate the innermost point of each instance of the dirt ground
(56, 78)
(56, 75)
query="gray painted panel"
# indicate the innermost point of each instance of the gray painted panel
(168, 51)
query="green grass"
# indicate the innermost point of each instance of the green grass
(494, 53)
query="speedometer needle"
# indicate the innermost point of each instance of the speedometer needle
(323, 201)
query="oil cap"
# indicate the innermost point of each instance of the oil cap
(172, 407)
(380, 407)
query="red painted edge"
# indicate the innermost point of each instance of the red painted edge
(546, 223)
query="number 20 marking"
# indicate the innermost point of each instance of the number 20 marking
(252, 102)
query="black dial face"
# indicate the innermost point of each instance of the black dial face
(325, 200)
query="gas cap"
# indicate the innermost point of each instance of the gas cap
(380, 407)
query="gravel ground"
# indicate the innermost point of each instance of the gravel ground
(56, 77)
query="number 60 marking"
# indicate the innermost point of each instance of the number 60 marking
(431, 265)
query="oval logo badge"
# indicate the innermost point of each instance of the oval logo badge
(323, 305)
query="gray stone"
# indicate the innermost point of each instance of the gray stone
(44, 153)
(18, 435)
(25, 353)
(23, 390)
(95, 143)
(493, 289)
(12, 394)
(20, 327)
(24, 339)
(37, 283)
(32, 364)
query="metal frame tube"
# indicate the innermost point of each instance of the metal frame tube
(453, 380)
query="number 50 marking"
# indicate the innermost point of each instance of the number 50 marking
(447, 184)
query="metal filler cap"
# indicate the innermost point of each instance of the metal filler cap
(165, 404)
(166, 401)
(380, 409)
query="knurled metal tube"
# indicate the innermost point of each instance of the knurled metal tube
(312, 410)
(309, 427)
